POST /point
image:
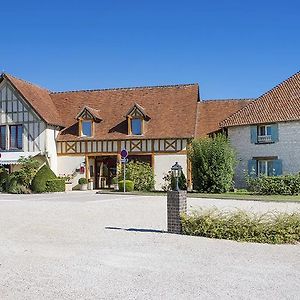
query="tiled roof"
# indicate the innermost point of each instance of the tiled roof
(172, 110)
(38, 98)
(211, 112)
(282, 103)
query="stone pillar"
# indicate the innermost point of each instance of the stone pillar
(176, 205)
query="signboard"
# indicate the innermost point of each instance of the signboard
(124, 153)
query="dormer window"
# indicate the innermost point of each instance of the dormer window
(136, 118)
(136, 126)
(86, 121)
(87, 126)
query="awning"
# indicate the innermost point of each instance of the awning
(11, 158)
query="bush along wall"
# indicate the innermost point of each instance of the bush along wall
(272, 227)
(274, 185)
(55, 185)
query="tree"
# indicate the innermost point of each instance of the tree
(213, 162)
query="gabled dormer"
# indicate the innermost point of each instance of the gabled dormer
(136, 118)
(87, 118)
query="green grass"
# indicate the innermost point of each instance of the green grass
(226, 196)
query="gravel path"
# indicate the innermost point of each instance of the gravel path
(88, 246)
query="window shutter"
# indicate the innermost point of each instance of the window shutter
(252, 167)
(253, 131)
(277, 166)
(274, 133)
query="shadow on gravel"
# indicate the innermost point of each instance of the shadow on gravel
(136, 229)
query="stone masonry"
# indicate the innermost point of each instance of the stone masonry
(176, 205)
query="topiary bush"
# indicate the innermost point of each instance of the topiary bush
(213, 161)
(82, 180)
(274, 185)
(271, 227)
(141, 174)
(38, 184)
(129, 185)
(55, 185)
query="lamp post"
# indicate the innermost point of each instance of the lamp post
(176, 172)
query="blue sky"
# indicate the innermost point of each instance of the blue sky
(231, 48)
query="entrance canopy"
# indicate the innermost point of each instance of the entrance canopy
(11, 158)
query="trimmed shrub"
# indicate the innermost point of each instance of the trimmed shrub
(141, 174)
(170, 182)
(38, 184)
(55, 185)
(213, 161)
(275, 185)
(129, 185)
(82, 180)
(272, 227)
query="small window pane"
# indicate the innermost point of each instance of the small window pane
(268, 130)
(16, 136)
(2, 137)
(87, 128)
(136, 126)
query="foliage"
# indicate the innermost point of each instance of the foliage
(13, 186)
(274, 185)
(55, 185)
(129, 185)
(38, 184)
(213, 161)
(3, 179)
(25, 175)
(114, 180)
(82, 180)
(272, 227)
(141, 174)
(170, 182)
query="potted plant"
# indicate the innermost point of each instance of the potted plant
(83, 183)
(68, 183)
(114, 182)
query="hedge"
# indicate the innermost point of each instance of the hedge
(38, 184)
(271, 227)
(55, 185)
(129, 185)
(275, 185)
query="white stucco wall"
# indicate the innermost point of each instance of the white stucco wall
(163, 164)
(68, 164)
(287, 148)
(50, 148)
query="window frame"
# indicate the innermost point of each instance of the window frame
(81, 122)
(266, 163)
(3, 147)
(16, 141)
(141, 126)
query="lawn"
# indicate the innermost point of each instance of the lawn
(230, 195)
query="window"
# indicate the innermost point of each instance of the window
(136, 126)
(16, 136)
(2, 137)
(265, 166)
(87, 128)
(262, 134)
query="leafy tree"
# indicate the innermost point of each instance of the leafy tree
(213, 161)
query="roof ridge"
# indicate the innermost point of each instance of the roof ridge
(258, 98)
(25, 81)
(126, 88)
(227, 100)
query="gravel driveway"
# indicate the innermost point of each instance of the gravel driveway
(89, 246)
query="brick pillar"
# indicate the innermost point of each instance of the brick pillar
(176, 205)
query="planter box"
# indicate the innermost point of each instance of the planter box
(68, 186)
(83, 187)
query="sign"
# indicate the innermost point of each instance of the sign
(124, 153)
(124, 160)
